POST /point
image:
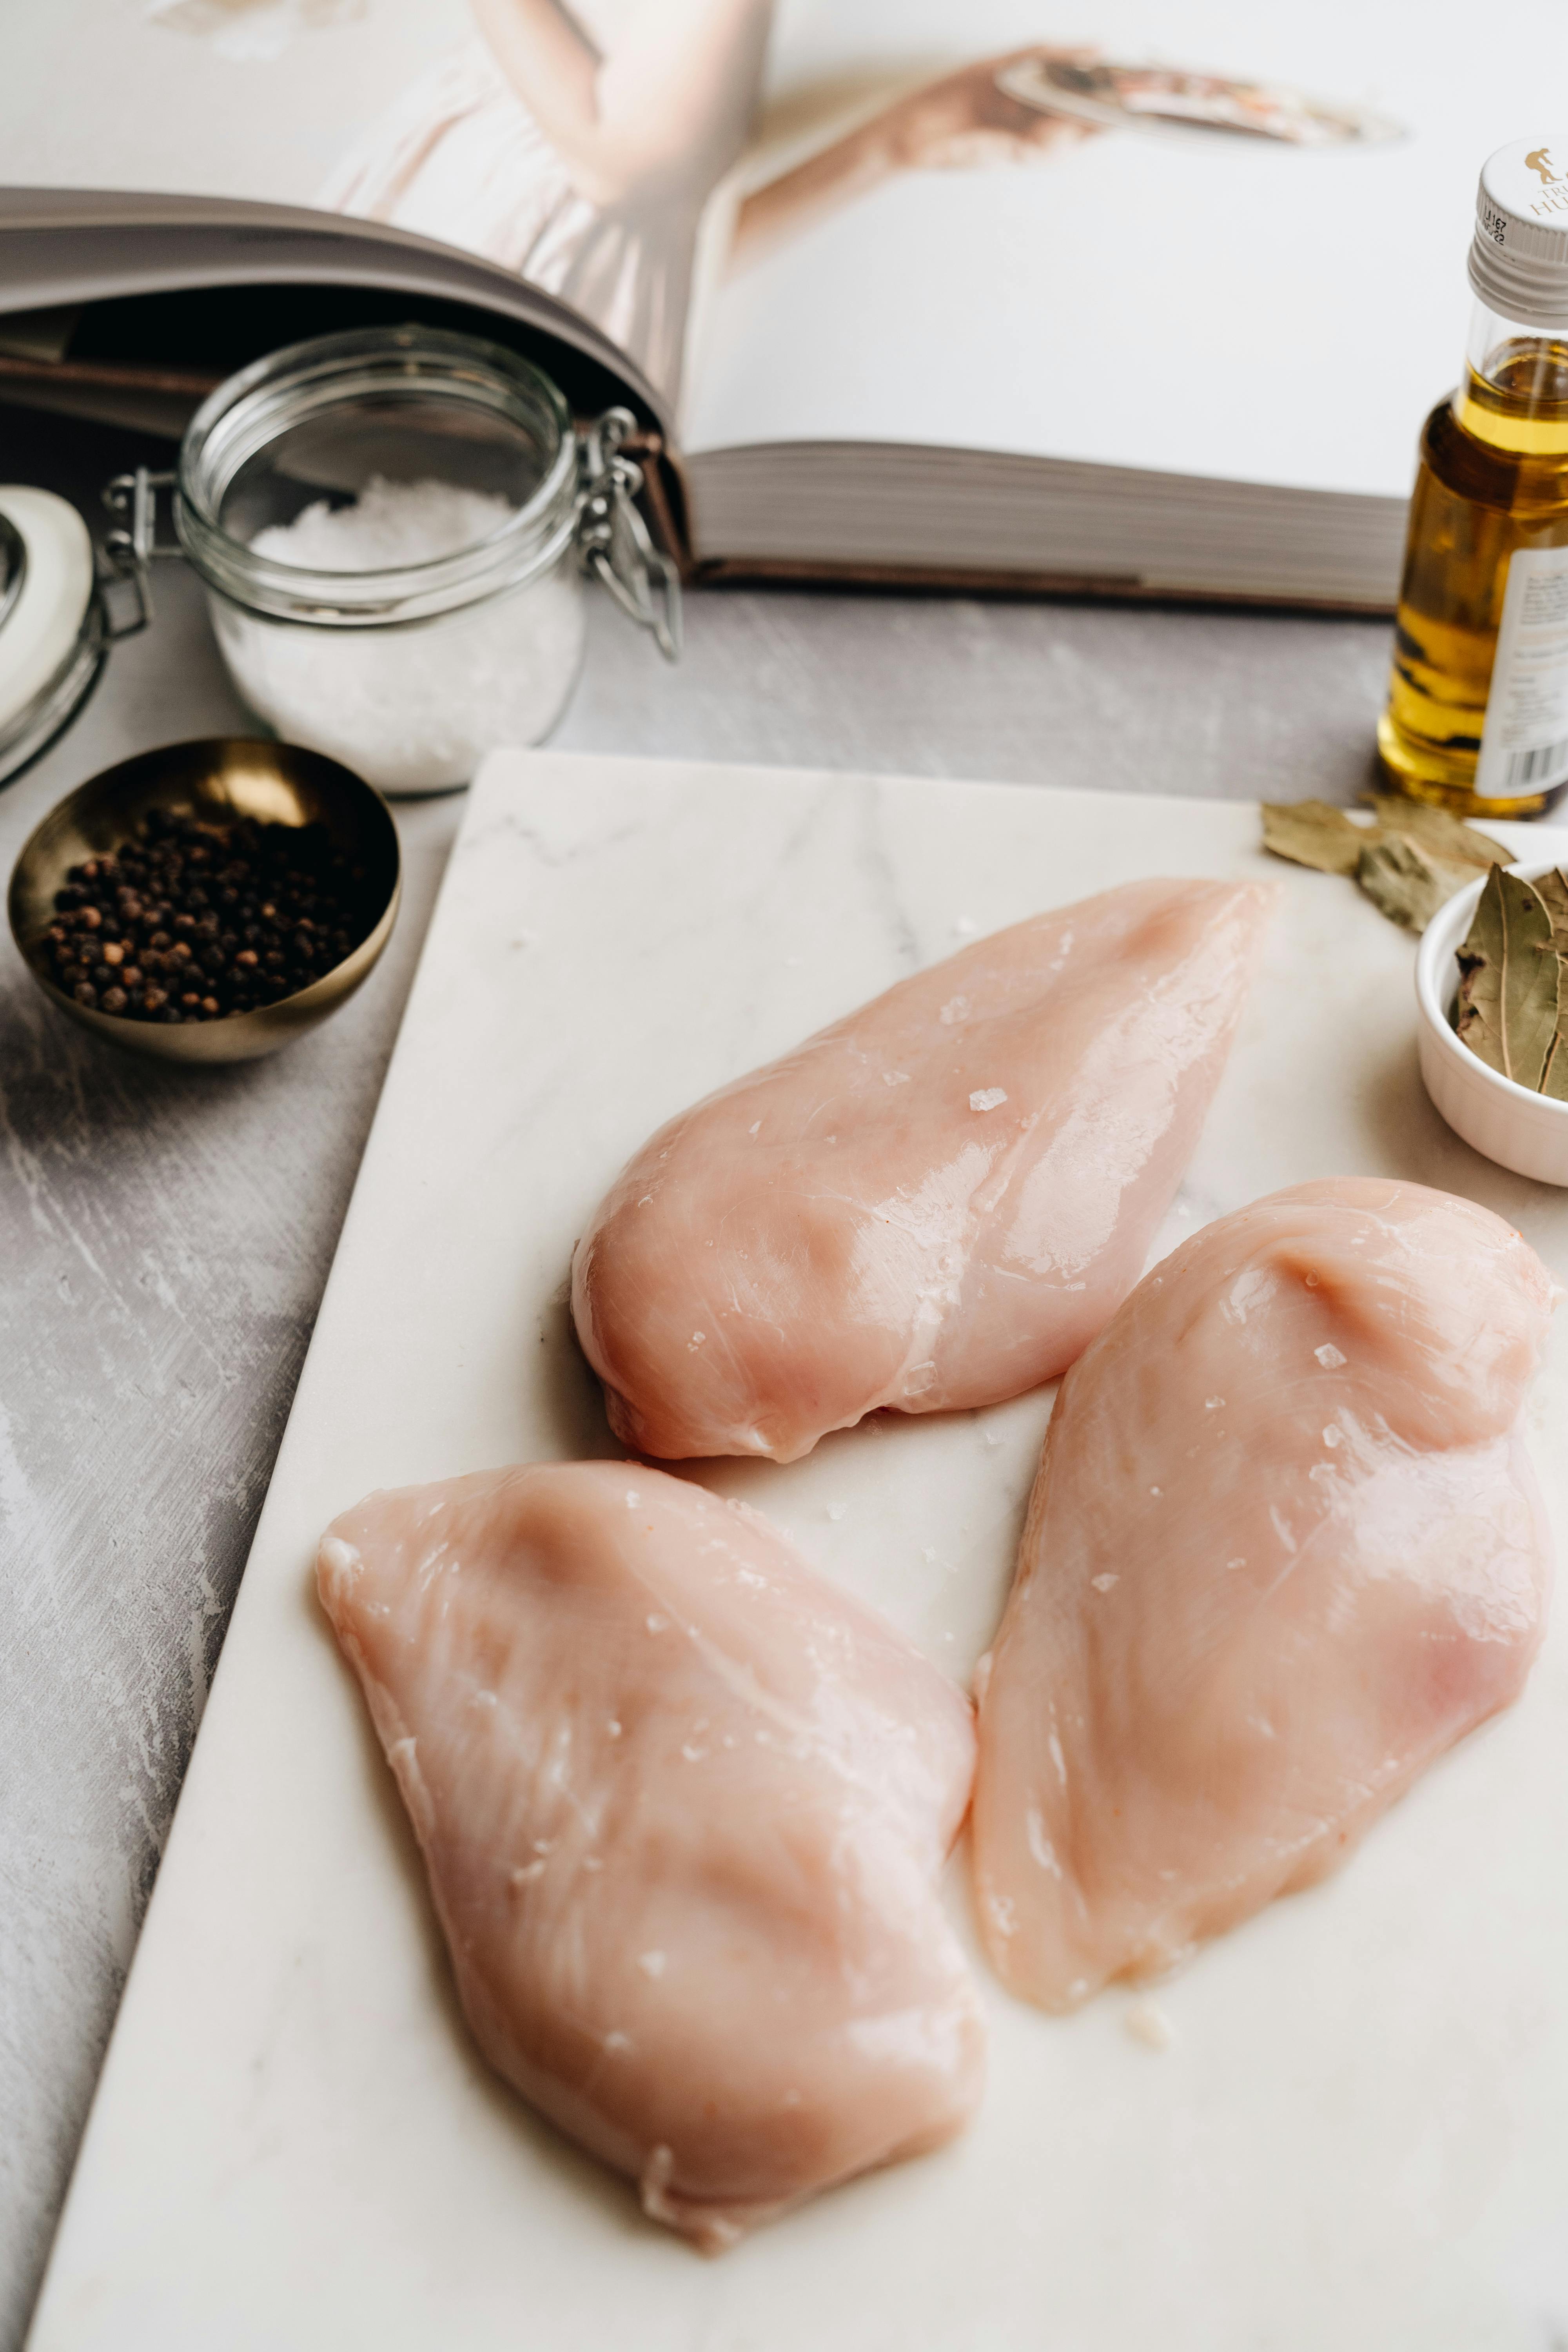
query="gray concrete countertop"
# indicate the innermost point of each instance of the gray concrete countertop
(165, 1235)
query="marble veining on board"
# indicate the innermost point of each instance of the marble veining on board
(1361, 2104)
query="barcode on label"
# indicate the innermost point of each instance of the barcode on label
(1541, 766)
(1524, 744)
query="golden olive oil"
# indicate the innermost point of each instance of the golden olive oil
(1473, 653)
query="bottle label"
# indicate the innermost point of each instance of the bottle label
(1524, 745)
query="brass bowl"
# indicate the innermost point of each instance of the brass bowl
(224, 776)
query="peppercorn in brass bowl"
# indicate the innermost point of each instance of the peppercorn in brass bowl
(215, 784)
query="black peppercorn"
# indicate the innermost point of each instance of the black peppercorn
(138, 931)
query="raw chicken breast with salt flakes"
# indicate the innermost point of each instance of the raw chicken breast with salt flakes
(684, 1808)
(1284, 1550)
(937, 1201)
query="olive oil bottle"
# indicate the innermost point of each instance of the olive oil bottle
(1477, 719)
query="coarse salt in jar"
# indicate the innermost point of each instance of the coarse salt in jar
(392, 526)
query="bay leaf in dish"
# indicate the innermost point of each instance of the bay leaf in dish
(1554, 1076)
(1439, 834)
(1551, 890)
(1315, 834)
(1508, 983)
(1405, 882)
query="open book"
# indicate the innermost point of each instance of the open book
(1100, 294)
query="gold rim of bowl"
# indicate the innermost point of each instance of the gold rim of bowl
(220, 776)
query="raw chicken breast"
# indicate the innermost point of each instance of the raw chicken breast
(937, 1201)
(1284, 1550)
(684, 1808)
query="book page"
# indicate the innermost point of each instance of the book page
(1249, 293)
(1234, 247)
(576, 148)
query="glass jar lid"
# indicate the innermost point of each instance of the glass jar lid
(318, 425)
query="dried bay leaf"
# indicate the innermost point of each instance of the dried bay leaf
(1315, 834)
(1439, 834)
(1551, 890)
(1509, 981)
(1554, 1076)
(1406, 882)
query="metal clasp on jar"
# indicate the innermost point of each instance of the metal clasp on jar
(614, 539)
(131, 548)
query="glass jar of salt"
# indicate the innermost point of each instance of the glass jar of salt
(393, 528)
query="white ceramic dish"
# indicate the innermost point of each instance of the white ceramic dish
(1519, 1129)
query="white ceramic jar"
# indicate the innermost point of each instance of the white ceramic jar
(54, 629)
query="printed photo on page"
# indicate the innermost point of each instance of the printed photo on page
(1147, 294)
(576, 148)
(1112, 231)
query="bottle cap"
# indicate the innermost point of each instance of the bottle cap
(1519, 261)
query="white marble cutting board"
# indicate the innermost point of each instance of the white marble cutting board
(1358, 2136)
